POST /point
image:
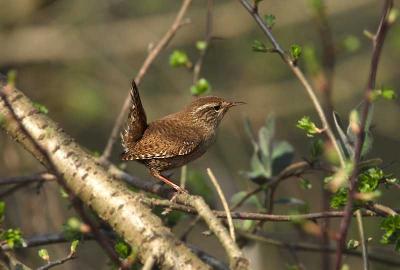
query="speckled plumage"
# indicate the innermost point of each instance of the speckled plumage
(174, 140)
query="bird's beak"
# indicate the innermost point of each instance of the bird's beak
(235, 103)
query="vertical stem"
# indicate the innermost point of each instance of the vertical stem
(362, 238)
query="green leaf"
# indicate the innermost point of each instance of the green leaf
(44, 254)
(351, 43)
(13, 238)
(201, 45)
(178, 58)
(270, 20)
(74, 246)
(393, 14)
(347, 146)
(202, 86)
(307, 125)
(282, 156)
(317, 4)
(384, 93)
(123, 249)
(295, 51)
(72, 228)
(41, 108)
(339, 199)
(259, 46)
(305, 183)
(391, 227)
(369, 180)
(353, 244)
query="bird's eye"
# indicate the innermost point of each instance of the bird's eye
(217, 108)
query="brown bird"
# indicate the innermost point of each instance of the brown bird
(175, 139)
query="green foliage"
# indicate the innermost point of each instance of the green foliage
(295, 51)
(351, 43)
(122, 248)
(339, 199)
(352, 244)
(270, 156)
(13, 238)
(270, 20)
(202, 86)
(384, 93)
(259, 46)
(201, 45)
(369, 180)
(72, 228)
(74, 246)
(305, 183)
(41, 108)
(391, 228)
(179, 58)
(308, 126)
(44, 254)
(348, 136)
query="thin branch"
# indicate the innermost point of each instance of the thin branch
(43, 176)
(208, 37)
(224, 203)
(149, 263)
(377, 43)
(57, 238)
(310, 247)
(162, 44)
(298, 73)
(251, 215)
(362, 240)
(51, 264)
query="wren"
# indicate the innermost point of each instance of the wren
(175, 139)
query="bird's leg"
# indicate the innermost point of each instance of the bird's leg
(157, 175)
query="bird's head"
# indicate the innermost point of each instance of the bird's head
(209, 111)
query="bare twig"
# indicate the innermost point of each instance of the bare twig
(149, 263)
(364, 249)
(51, 264)
(44, 176)
(208, 37)
(224, 203)
(178, 22)
(384, 259)
(377, 43)
(298, 73)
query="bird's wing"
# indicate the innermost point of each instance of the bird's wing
(136, 123)
(165, 139)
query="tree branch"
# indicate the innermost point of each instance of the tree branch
(110, 199)
(253, 11)
(377, 44)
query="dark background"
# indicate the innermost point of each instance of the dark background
(77, 58)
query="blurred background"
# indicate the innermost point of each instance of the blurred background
(77, 58)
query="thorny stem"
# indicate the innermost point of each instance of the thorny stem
(178, 22)
(299, 74)
(377, 43)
